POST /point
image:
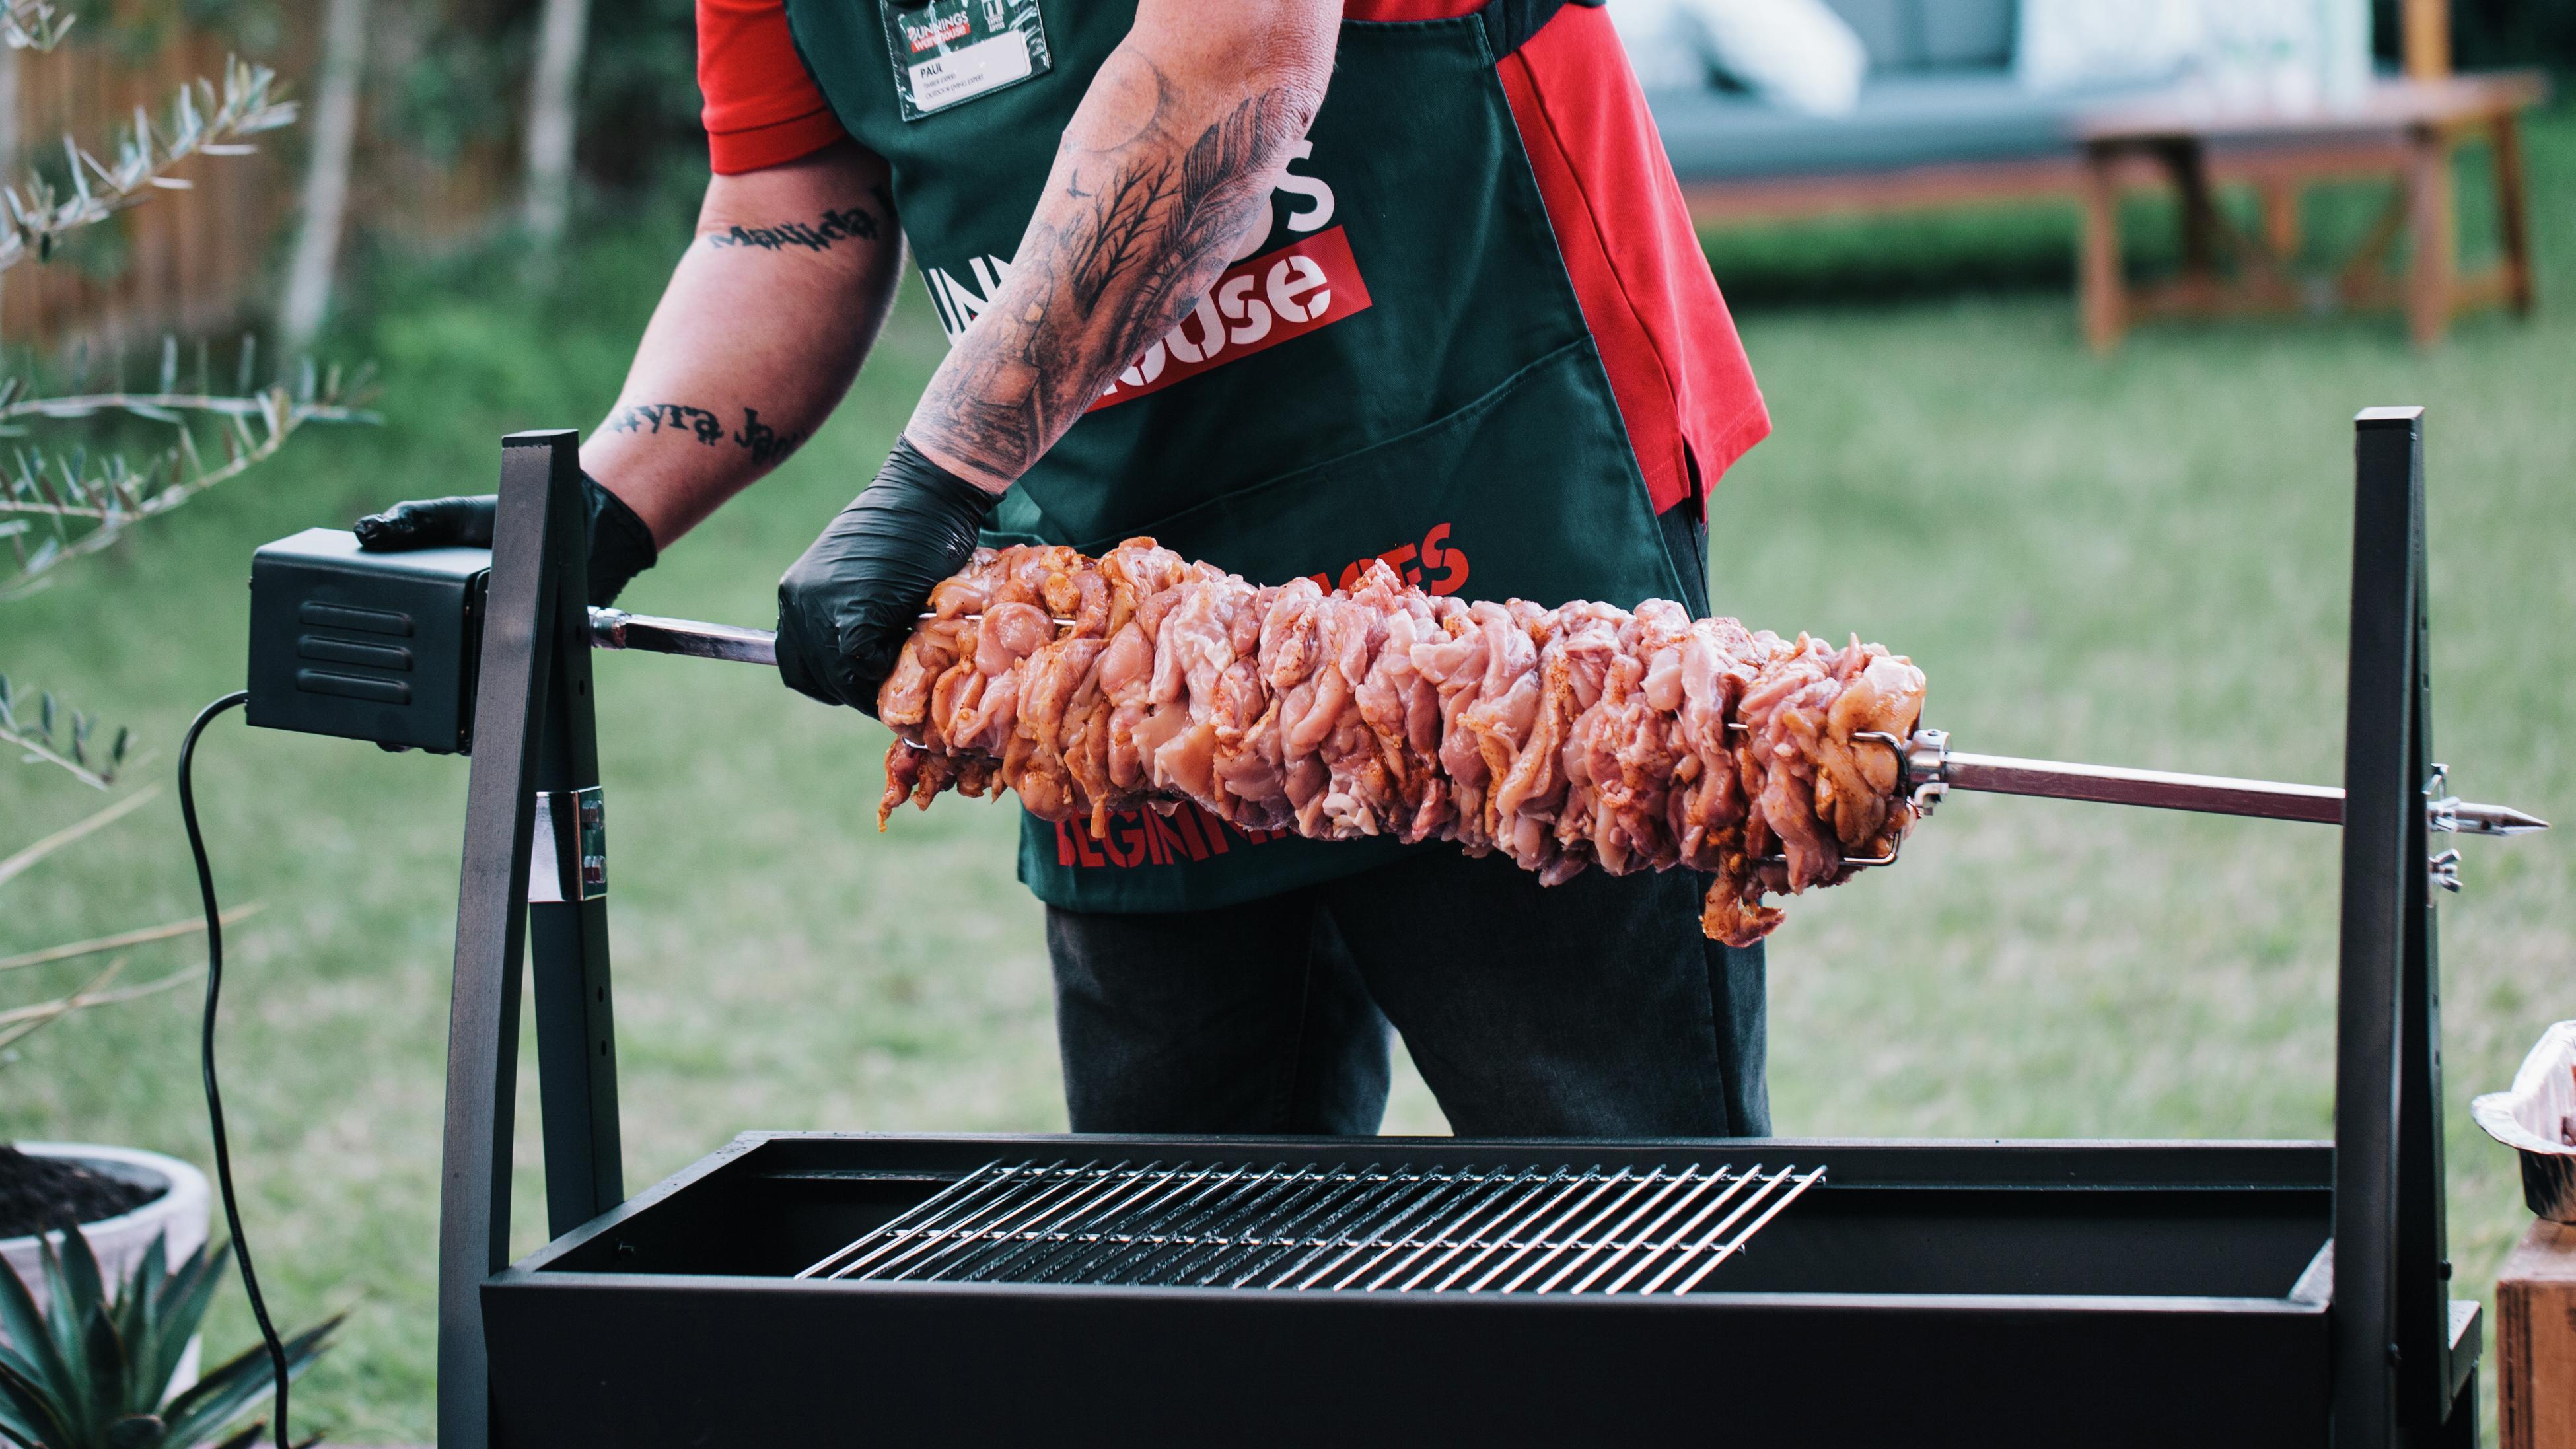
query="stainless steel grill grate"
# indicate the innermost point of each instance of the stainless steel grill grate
(1511, 1229)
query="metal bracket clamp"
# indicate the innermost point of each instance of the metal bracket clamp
(1922, 766)
(2445, 870)
(569, 865)
(2442, 813)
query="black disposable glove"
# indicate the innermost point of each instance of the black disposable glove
(847, 606)
(620, 545)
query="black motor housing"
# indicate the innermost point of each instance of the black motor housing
(369, 646)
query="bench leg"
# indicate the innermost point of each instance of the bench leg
(2098, 288)
(2281, 219)
(2513, 214)
(2430, 235)
(2189, 162)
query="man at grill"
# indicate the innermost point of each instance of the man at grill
(1289, 285)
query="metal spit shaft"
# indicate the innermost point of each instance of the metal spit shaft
(617, 629)
(1931, 766)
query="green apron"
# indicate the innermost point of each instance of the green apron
(1400, 370)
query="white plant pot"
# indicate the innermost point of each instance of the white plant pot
(181, 1211)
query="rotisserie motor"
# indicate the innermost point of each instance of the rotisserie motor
(1578, 736)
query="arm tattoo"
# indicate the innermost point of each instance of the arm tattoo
(1111, 261)
(851, 224)
(765, 444)
(680, 416)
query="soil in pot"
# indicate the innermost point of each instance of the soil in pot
(40, 1194)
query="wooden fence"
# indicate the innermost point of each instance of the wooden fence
(209, 258)
(187, 261)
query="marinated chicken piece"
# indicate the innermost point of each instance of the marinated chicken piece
(1566, 738)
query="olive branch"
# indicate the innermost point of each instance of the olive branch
(61, 503)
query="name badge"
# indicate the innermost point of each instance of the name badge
(948, 52)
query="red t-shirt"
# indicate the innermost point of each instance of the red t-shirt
(1685, 390)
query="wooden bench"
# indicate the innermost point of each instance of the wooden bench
(2405, 130)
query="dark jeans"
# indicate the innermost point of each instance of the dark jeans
(1594, 1008)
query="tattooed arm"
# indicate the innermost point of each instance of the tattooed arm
(757, 337)
(1163, 177)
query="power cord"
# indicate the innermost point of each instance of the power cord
(214, 1098)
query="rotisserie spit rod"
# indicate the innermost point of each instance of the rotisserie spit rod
(1932, 768)
(617, 629)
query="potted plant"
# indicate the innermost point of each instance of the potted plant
(94, 1369)
(126, 1200)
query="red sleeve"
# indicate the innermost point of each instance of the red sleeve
(762, 109)
(1685, 389)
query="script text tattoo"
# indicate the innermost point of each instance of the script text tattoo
(679, 417)
(834, 227)
(764, 443)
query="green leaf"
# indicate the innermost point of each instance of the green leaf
(182, 1307)
(137, 1329)
(64, 1310)
(28, 1337)
(239, 1381)
(138, 1431)
(111, 1367)
(83, 1331)
(72, 1281)
(29, 1412)
(132, 1328)
(19, 1363)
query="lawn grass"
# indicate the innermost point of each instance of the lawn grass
(2139, 560)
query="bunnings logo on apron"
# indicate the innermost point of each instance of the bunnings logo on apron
(949, 51)
(1257, 304)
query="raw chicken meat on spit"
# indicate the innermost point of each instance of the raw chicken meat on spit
(1579, 736)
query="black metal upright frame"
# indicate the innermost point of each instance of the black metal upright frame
(2394, 1378)
(534, 730)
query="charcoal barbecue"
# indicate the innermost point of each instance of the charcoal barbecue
(823, 1287)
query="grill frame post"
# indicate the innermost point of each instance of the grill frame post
(535, 729)
(2393, 1369)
